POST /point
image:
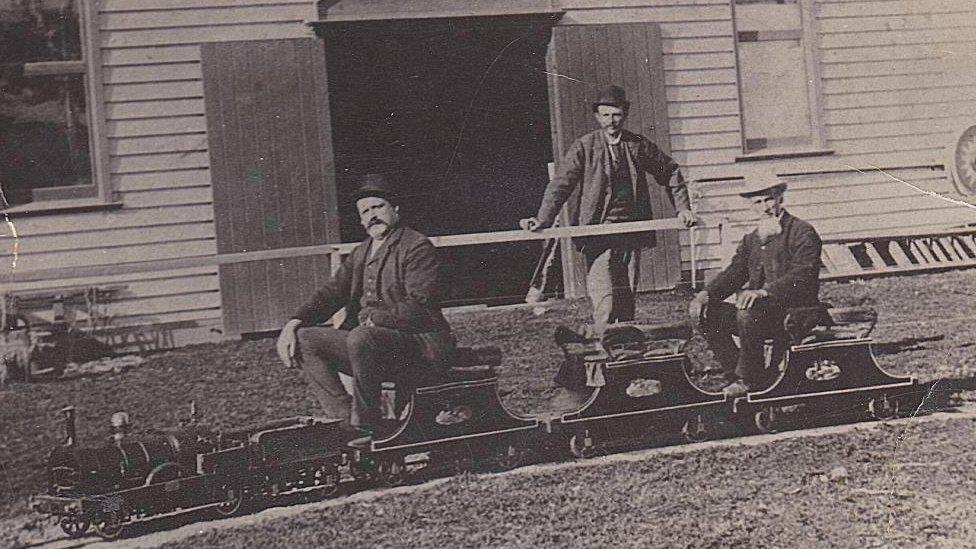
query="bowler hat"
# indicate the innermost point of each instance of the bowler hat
(377, 184)
(614, 96)
(762, 183)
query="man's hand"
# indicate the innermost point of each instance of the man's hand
(696, 306)
(687, 217)
(530, 224)
(287, 345)
(747, 298)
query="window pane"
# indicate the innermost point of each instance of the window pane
(43, 119)
(774, 91)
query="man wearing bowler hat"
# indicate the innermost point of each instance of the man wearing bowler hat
(393, 330)
(614, 169)
(775, 268)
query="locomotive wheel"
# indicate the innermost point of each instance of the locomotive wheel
(581, 445)
(392, 472)
(695, 430)
(327, 477)
(233, 495)
(883, 408)
(109, 525)
(363, 470)
(74, 525)
(765, 420)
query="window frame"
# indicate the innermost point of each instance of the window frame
(808, 37)
(98, 191)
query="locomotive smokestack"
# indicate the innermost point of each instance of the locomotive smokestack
(70, 436)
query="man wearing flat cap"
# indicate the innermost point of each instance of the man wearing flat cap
(393, 330)
(775, 268)
(614, 169)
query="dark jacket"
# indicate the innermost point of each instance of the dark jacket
(587, 166)
(787, 266)
(407, 292)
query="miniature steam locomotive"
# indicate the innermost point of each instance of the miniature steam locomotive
(640, 392)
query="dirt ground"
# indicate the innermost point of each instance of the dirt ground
(925, 329)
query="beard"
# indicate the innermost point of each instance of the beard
(769, 227)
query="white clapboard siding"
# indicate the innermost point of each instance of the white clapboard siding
(151, 73)
(158, 160)
(127, 146)
(137, 285)
(154, 180)
(80, 241)
(154, 109)
(167, 125)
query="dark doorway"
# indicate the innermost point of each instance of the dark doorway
(458, 111)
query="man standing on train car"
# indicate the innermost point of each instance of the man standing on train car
(775, 268)
(611, 165)
(393, 330)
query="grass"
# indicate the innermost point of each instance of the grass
(925, 329)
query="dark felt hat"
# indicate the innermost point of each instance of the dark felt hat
(377, 184)
(614, 96)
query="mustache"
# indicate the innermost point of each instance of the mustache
(376, 221)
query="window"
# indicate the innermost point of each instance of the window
(777, 75)
(45, 144)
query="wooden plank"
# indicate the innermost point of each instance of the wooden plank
(894, 22)
(124, 183)
(135, 110)
(865, 39)
(159, 162)
(892, 144)
(704, 125)
(152, 55)
(868, 8)
(920, 111)
(152, 73)
(703, 109)
(169, 197)
(95, 221)
(167, 125)
(699, 61)
(881, 53)
(868, 84)
(655, 14)
(703, 76)
(109, 6)
(136, 283)
(879, 68)
(127, 146)
(75, 242)
(273, 30)
(706, 141)
(73, 259)
(710, 92)
(117, 93)
(894, 129)
(899, 97)
(202, 15)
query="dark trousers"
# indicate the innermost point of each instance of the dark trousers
(753, 326)
(371, 355)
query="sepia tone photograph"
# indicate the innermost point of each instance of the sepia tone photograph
(487, 273)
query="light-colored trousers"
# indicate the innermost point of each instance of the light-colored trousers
(612, 279)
